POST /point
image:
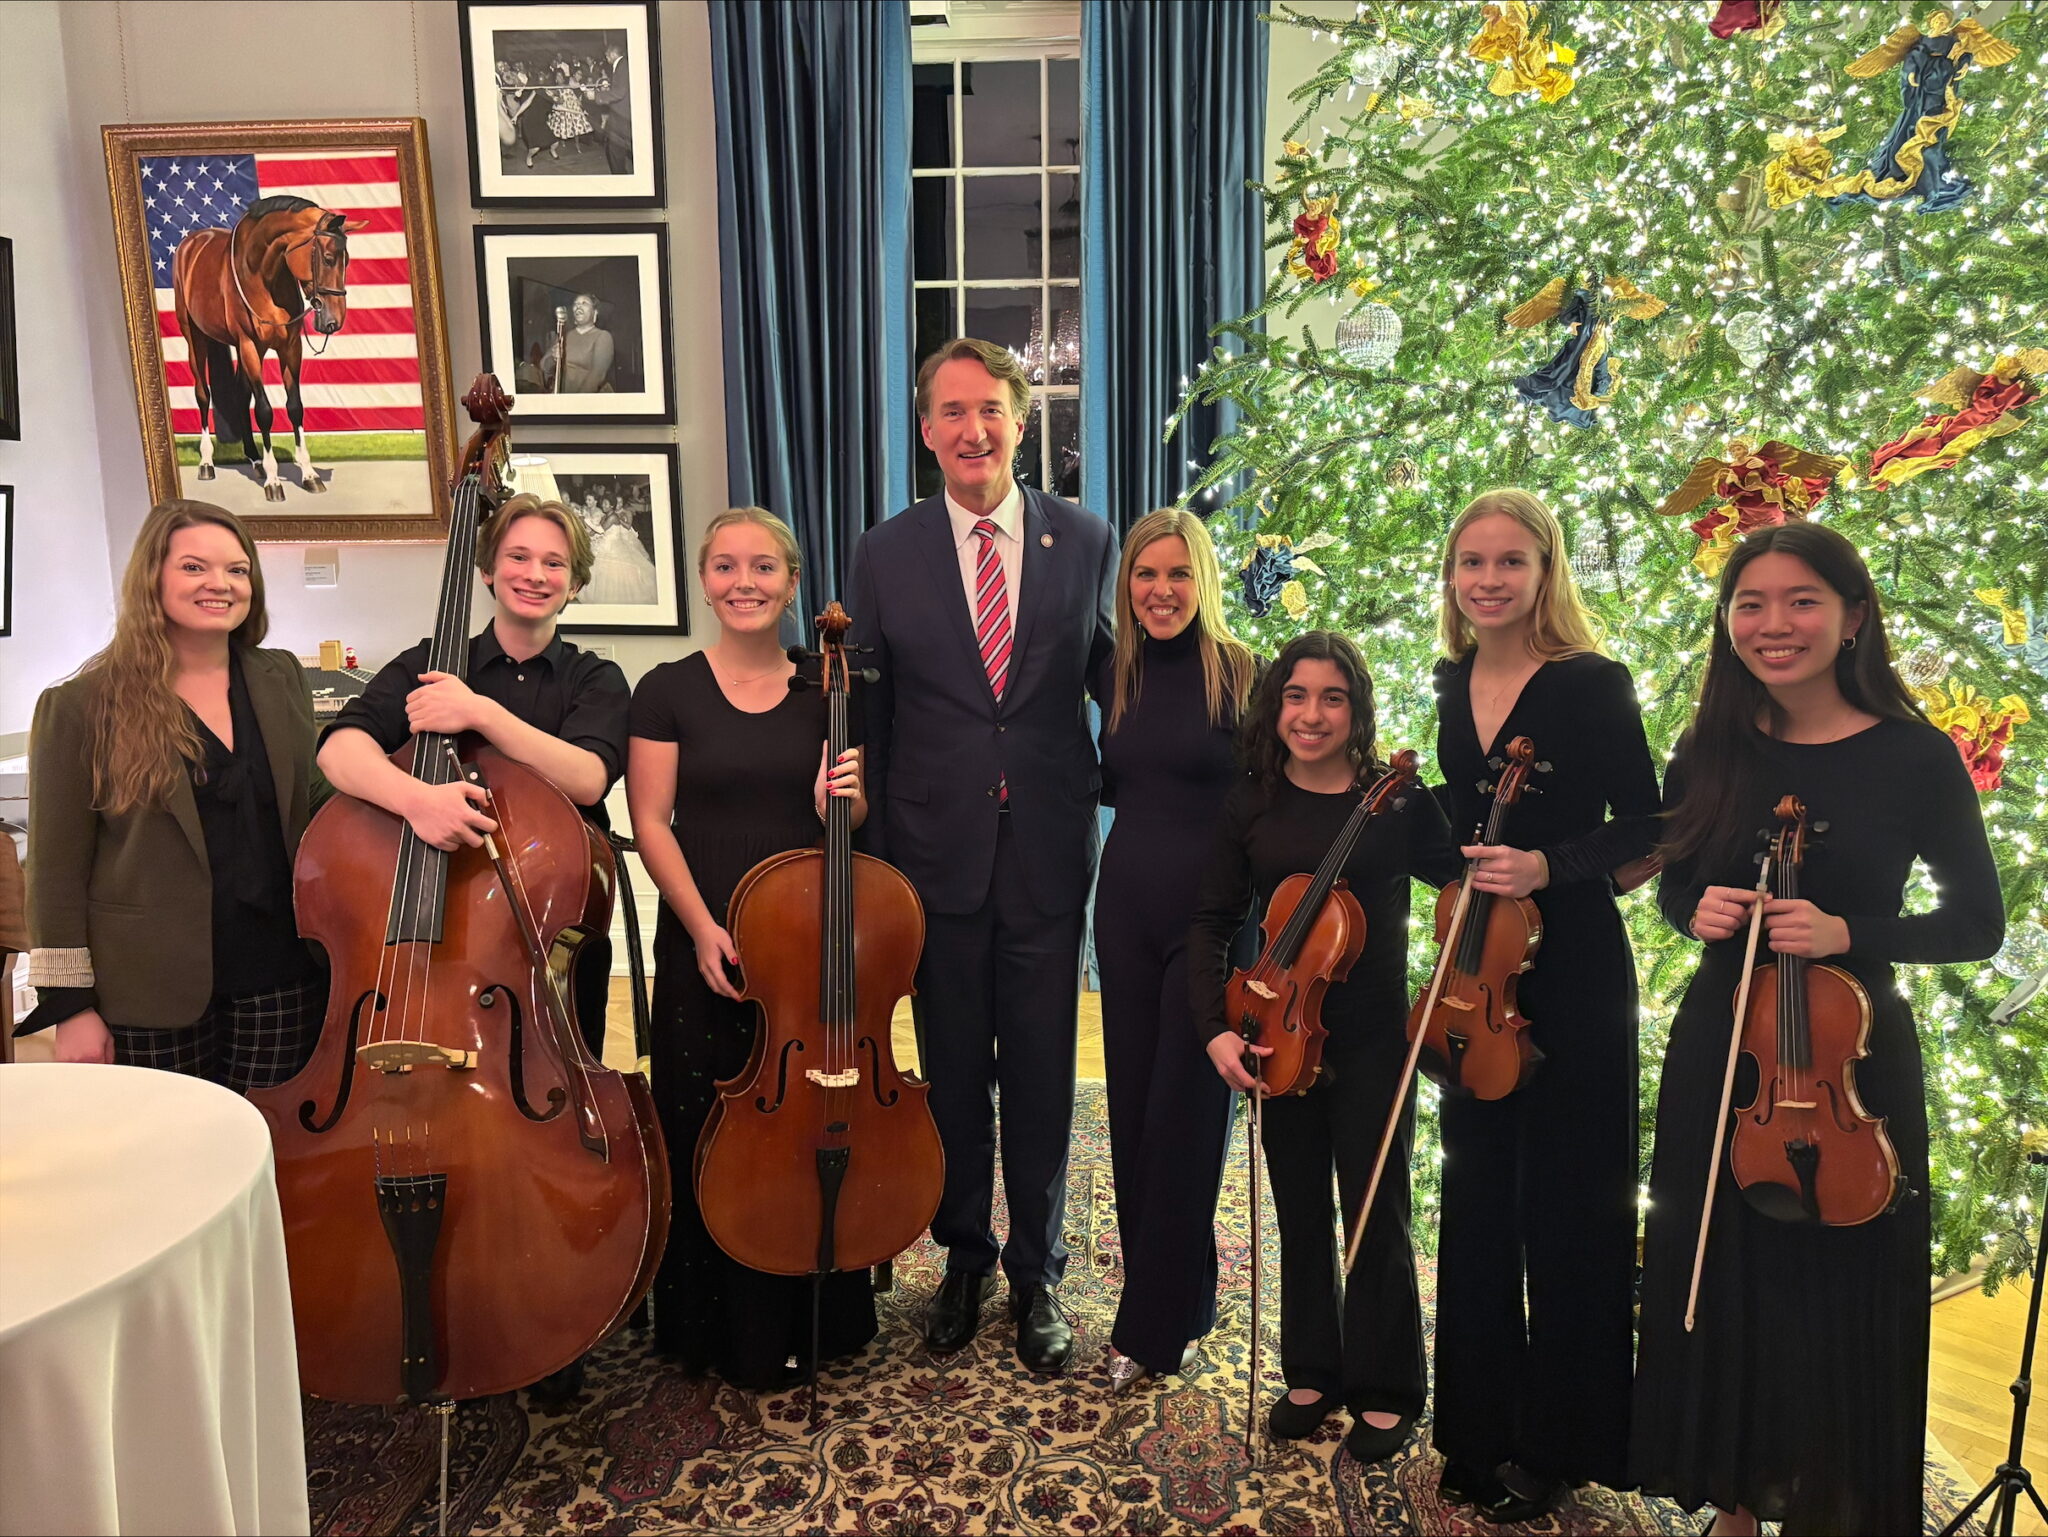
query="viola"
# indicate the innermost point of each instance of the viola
(822, 1155)
(1804, 1149)
(471, 1201)
(1475, 1041)
(1314, 931)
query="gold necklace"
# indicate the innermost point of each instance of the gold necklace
(735, 679)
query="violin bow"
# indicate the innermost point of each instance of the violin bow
(1254, 1135)
(1756, 924)
(1436, 987)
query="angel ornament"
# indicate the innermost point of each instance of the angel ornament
(1757, 486)
(1581, 377)
(1982, 406)
(1914, 155)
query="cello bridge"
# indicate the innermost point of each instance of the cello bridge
(1253, 984)
(825, 1080)
(404, 1056)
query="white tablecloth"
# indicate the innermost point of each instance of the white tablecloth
(149, 1381)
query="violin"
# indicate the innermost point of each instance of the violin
(471, 1200)
(1475, 1041)
(1315, 932)
(1804, 1149)
(822, 1155)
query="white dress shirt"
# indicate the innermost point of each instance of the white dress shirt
(1009, 521)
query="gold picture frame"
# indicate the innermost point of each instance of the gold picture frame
(360, 451)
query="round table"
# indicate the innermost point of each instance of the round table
(149, 1381)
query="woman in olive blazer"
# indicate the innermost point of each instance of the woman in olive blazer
(169, 783)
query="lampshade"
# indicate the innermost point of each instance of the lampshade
(531, 473)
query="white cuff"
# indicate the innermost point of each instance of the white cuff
(60, 968)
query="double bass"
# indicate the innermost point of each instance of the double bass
(471, 1201)
(822, 1155)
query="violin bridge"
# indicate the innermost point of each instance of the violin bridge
(825, 1080)
(1253, 984)
(404, 1056)
(1455, 1003)
(1797, 1104)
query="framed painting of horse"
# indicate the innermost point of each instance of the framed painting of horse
(563, 102)
(285, 322)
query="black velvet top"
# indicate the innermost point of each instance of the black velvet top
(1165, 740)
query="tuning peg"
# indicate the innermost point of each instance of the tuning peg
(1494, 763)
(798, 683)
(1815, 829)
(801, 655)
(870, 674)
(1532, 789)
(1542, 768)
(1757, 858)
(1764, 835)
(1486, 787)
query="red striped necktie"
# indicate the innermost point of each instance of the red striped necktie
(992, 621)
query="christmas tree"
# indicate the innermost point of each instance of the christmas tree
(1682, 269)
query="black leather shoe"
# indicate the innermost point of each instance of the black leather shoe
(955, 1312)
(1291, 1421)
(1523, 1497)
(1460, 1483)
(1045, 1340)
(1370, 1443)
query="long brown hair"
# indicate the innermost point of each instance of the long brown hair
(1227, 662)
(143, 736)
(1560, 624)
(1723, 754)
(1259, 738)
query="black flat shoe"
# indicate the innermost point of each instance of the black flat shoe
(1045, 1340)
(1537, 1499)
(1370, 1443)
(1291, 1421)
(1462, 1484)
(954, 1316)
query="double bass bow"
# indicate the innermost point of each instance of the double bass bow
(822, 1155)
(1803, 1149)
(1314, 933)
(1474, 1040)
(471, 1201)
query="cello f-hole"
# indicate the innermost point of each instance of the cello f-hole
(558, 1098)
(761, 1102)
(348, 1068)
(874, 1052)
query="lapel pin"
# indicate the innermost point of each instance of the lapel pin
(1046, 540)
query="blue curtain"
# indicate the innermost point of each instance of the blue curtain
(1173, 123)
(813, 108)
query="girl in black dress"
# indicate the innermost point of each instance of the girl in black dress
(726, 768)
(1801, 1395)
(1172, 694)
(1309, 741)
(1536, 1250)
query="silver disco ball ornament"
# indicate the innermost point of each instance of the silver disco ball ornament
(1749, 334)
(2024, 953)
(1375, 64)
(1370, 338)
(1923, 667)
(1597, 570)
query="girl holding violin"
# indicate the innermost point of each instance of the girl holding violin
(1798, 1393)
(726, 768)
(1536, 1251)
(1309, 739)
(173, 779)
(1172, 693)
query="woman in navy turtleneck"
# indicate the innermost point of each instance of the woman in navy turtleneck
(1171, 696)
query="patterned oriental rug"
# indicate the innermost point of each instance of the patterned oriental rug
(911, 1446)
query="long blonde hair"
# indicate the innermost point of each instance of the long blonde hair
(1561, 625)
(1227, 662)
(143, 736)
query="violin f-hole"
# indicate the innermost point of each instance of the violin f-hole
(348, 1068)
(516, 1056)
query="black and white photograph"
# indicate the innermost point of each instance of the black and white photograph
(628, 498)
(564, 105)
(575, 321)
(6, 560)
(10, 387)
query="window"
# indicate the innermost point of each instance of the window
(996, 236)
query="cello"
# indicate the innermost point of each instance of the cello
(470, 1200)
(821, 1155)
(1475, 1041)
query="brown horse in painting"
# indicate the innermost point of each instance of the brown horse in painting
(243, 292)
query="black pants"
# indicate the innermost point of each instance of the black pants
(1357, 1342)
(1169, 1110)
(253, 1042)
(996, 995)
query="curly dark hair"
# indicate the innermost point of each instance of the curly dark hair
(1264, 754)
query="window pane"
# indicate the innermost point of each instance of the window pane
(1009, 317)
(1063, 360)
(934, 308)
(1063, 226)
(931, 116)
(1063, 106)
(1002, 226)
(1066, 445)
(931, 222)
(999, 113)
(1031, 452)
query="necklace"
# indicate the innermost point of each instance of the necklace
(734, 678)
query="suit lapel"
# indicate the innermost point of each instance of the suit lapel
(274, 718)
(935, 539)
(185, 809)
(1034, 580)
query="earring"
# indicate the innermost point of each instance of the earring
(1849, 644)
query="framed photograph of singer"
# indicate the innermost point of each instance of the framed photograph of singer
(575, 320)
(564, 103)
(282, 284)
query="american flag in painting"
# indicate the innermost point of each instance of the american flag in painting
(368, 378)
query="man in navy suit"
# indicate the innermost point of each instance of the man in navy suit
(987, 606)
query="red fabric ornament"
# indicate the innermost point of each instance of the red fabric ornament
(1989, 401)
(1744, 16)
(1985, 758)
(1318, 256)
